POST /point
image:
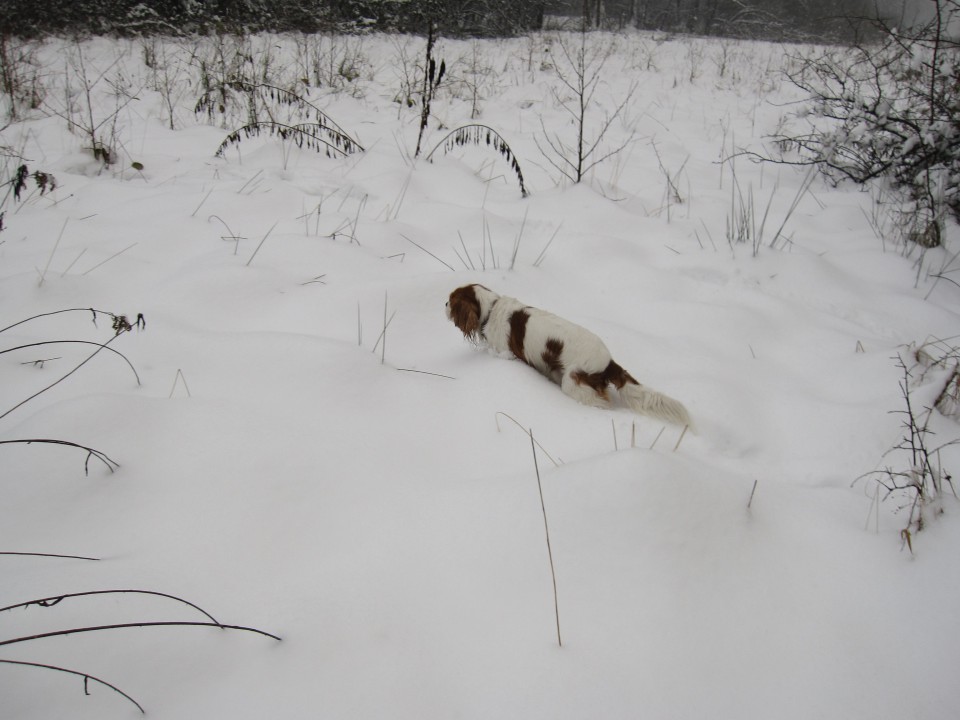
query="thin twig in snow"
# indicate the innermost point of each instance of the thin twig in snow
(51, 555)
(43, 275)
(526, 432)
(179, 377)
(104, 262)
(546, 528)
(261, 243)
(444, 262)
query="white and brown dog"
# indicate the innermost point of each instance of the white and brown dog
(569, 355)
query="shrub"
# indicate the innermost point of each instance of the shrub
(889, 112)
(309, 126)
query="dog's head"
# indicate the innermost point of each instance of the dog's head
(468, 308)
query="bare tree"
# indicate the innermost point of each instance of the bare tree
(580, 75)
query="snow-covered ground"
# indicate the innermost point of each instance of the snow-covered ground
(376, 506)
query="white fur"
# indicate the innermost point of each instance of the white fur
(583, 352)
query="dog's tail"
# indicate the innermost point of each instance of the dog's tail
(649, 402)
(645, 401)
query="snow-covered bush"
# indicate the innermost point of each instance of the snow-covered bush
(20, 86)
(914, 474)
(889, 112)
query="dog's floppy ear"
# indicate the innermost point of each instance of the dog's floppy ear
(465, 311)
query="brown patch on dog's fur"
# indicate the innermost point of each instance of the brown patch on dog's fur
(465, 311)
(618, 376)
(518, 330)
(613, 373)
(551, 358)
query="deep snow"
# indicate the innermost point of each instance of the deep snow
(383, 517)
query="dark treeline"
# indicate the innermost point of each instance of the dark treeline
(779, 19)
(808, 20)
(134, 17)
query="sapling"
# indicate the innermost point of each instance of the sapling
(98, 127)
(580, 75)
(19, 76)
(672, 192)
(407, 72)
(336, 61)
(168, 74)
(477, 77)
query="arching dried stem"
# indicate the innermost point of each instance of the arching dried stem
(50, 555)
(313, 136)
(525, 430)
(476, 134)
(91, 452)
(102, 346)
(86, 677)
(121, 626)
(57, 599)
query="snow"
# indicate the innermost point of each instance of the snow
(377, 507)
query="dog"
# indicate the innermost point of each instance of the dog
(569, 355)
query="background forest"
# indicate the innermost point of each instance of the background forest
(770, 19)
